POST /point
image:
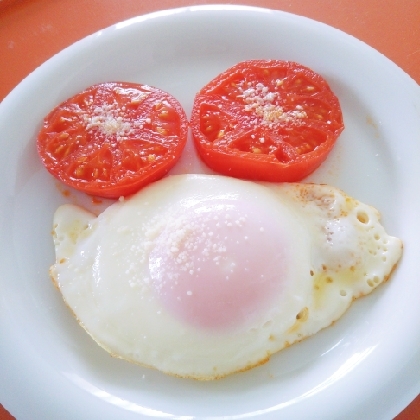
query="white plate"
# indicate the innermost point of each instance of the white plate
(366, 366)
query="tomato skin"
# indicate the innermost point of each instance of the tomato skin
(113, 138)
(266, 120)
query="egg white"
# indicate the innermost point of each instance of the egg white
(336, 250)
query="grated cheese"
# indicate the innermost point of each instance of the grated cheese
(261, 102)
(110, 120)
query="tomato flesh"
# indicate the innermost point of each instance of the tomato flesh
(267, 120)
(113, 138)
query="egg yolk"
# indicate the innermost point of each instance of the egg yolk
(219, 262)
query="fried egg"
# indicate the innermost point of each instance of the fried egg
(201, 276)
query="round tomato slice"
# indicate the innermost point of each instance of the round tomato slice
(113, 138)
(266, 120)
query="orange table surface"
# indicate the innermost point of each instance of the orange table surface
(31, 31)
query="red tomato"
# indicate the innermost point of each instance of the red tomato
(113, 138)
(266, 120)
